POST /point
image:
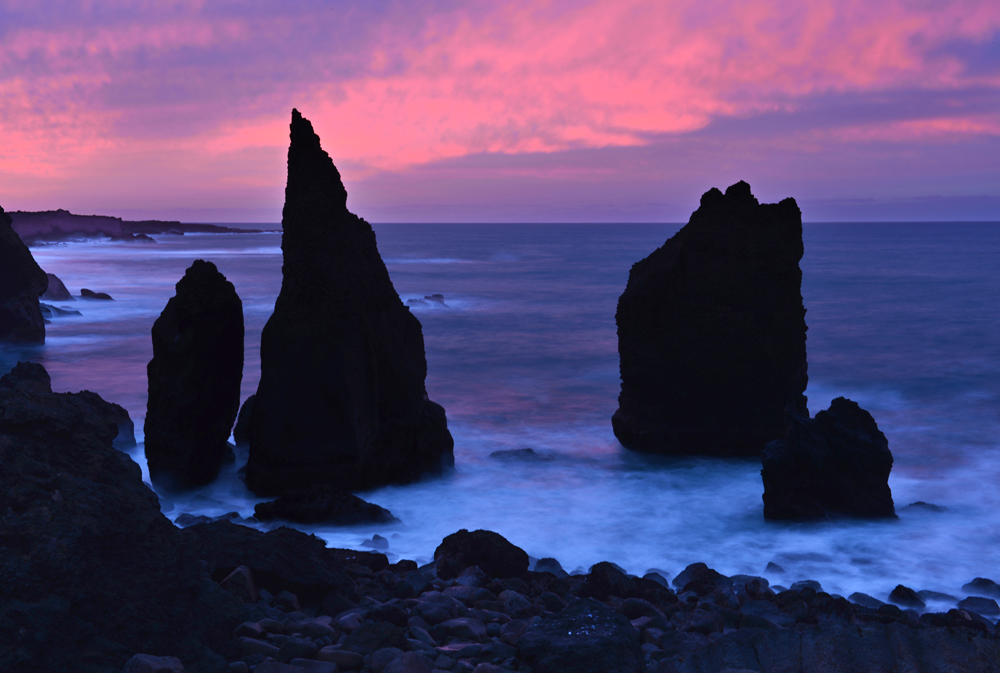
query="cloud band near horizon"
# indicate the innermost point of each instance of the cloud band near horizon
(504, 111)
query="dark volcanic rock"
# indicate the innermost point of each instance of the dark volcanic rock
(22, 281)
(282, 559)
(341, 398)
(57, 290)
(585, 637)
(836, 464)
(91, 571)
(90, 294)
(323, 504)
(712, 332)
(490, 551)
(194, 379)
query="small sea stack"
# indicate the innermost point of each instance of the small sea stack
(194, 379)
(22, 282)
(712, 332)
(57, 290)
(834, 465)
(341, 399)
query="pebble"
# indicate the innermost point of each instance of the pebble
(147, 663)
(344, 659)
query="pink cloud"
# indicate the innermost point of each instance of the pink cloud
(395, 86)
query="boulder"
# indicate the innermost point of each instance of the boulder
(341, 398)
(834, 465)
(22, 282)
(712, 332)
(585, 637)
(282, 559)
(92, 572)
(194, 379)
(491, 551)
(90, 294)
(56, 290)
(323, 504)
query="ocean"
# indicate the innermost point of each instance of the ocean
(903, 318)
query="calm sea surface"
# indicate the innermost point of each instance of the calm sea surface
(903, 318)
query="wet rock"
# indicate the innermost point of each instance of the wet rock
(113, 414)
(383, 657)
(773, 567)
(194, 379)
(865, 600)
(519, 456)
(241, 585)
(281, 559)
(657, 577)
(322, 504)
(377, 541)
(699, 576)
(409, 662)
(147, 663)
(937, 596)
(90, 294)
(982, 586)
(490, 551)
(370, 638)
(981, 606)
(341, 399)
(50, 312)
(22, 282)
(313, 666)
(925, 507)
(802, 584)
(836, 464)
(585, 637)
(56, 290)
(606, 580)
(296, 648)
(241, 432)
(712, 333)
(344, 659)
(906, 597)
(550, 565)
(86, 553)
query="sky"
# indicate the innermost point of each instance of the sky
(504, 111)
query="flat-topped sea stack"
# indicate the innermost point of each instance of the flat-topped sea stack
(194, 379)
(341, 399)
(22, 281)
(712, 332)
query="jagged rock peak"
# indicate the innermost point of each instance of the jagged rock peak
(341, 399)
(711, 331)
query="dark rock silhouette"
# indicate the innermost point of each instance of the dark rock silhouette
(712, 332)
(341, 398)
(22, 282)
(586, 636)
(57, 290)
(92, 571)
(90, 294)
(323, 504)
(492, 552)
(49, 311)
(194, 379)
(836, 464)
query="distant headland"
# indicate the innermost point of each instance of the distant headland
(51, 226)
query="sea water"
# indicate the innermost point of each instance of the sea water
(903, 318)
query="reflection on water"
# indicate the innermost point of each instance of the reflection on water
(902, 318)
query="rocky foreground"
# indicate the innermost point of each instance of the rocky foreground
(94, 578)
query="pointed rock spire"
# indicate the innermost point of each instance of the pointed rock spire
(341, 398)
(22, 281)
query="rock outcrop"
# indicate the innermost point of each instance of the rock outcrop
(57, 291)
(92, 572)
(341, 399)
(322, 504)
(22, 282)
(712, 332)
(834, 465)
(194, 379)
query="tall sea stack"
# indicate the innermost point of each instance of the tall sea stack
(341, 398)
(194, 379)
(712, 332)
(22, 281)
